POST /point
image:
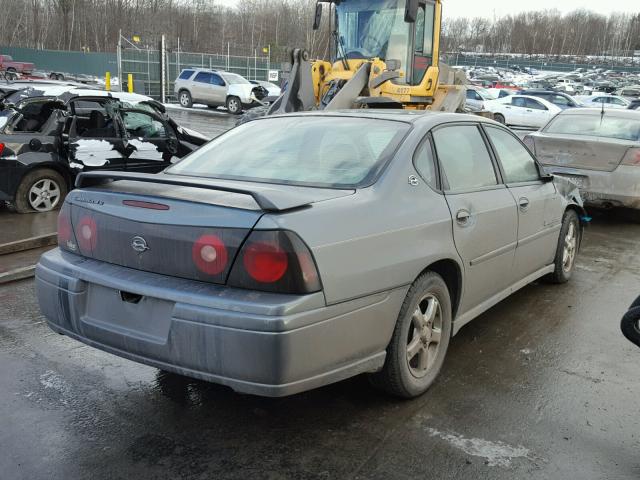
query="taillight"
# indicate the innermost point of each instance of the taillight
(209, 254)
(66, 238)
(632, 157)
(275, 261)
(265, 262)
(1, 148)
(87, 233)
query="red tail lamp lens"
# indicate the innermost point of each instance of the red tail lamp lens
(264, 262)
(87, 233)
(210, 254)
(64, 227)
(1, 148)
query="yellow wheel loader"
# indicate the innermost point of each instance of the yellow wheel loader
(384, 55)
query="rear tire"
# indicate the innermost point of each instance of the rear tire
(498, 117)
(567, 249)
(234, 105)
(184, 98)
(420, 340)
(41, 190)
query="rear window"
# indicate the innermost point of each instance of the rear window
(596, 125)
(186, 74)
(311, 151)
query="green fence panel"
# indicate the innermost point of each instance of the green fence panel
(64, 61)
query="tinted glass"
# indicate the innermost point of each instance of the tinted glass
(517, 163)
(464, 157)
(203, 77)
(519, 102)
(595, 125)
(534, 104)
(560, 100)
(217, 80)
(186, 74)
(423, 161)
(312, 150)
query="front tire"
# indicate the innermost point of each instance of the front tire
(185, 100)
(498, 117)
(567, 249)
(420, 340)
(234, 105)
(41, 190)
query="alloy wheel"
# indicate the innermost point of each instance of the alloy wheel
(570, 247)
(424, 337)
(44, 195)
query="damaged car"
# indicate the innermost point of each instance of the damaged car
(598, 150)
(298, 250)
(50, 134)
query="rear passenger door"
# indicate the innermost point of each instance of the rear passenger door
(485, 219)
(202, 88)
(537, 201)
(94, 135)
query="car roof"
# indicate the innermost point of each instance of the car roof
(608, 112)
(424, 118)
(65, 92)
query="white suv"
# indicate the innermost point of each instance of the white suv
(216, 89)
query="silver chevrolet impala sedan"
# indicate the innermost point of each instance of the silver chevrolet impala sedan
(298, 250)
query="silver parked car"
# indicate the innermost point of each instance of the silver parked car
(599, 151)
(298, 250)
(217, 89)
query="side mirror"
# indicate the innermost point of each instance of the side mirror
(318, 16)
(411, 11)
(546, 177)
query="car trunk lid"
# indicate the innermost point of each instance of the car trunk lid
(580, 152)
(173, 226)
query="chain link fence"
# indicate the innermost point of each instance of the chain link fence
(146, 66)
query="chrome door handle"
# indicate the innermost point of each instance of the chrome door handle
(463, 216)
(523, 202)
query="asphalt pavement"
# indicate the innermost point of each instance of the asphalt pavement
(542, 386)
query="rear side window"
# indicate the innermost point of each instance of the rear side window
(534, 104)
(517, 162)
(423, 161)
(464, 157)
(186, 74)
(595, 125)
(203, 77)
(519, 102)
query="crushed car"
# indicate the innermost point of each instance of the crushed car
(298, 250)
(51, 133)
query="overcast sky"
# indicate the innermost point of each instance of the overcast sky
(487, 8)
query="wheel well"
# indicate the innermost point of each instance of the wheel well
(56, 168)
(450, 272)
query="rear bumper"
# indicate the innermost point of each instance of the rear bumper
(619, 188)
(257, 343)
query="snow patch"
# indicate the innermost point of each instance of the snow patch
(497, 454)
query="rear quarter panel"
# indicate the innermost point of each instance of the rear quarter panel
(377, 239)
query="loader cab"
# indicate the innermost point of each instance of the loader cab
(403, 33)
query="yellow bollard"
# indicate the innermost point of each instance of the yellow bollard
(130, 82)
(107, 81)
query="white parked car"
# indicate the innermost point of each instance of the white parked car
(216, 89)
(600, 99)
(522, 111)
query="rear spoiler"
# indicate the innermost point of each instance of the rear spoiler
(87, 179)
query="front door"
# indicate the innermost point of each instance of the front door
(151, 142)
(484, 213)
(537, 200)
